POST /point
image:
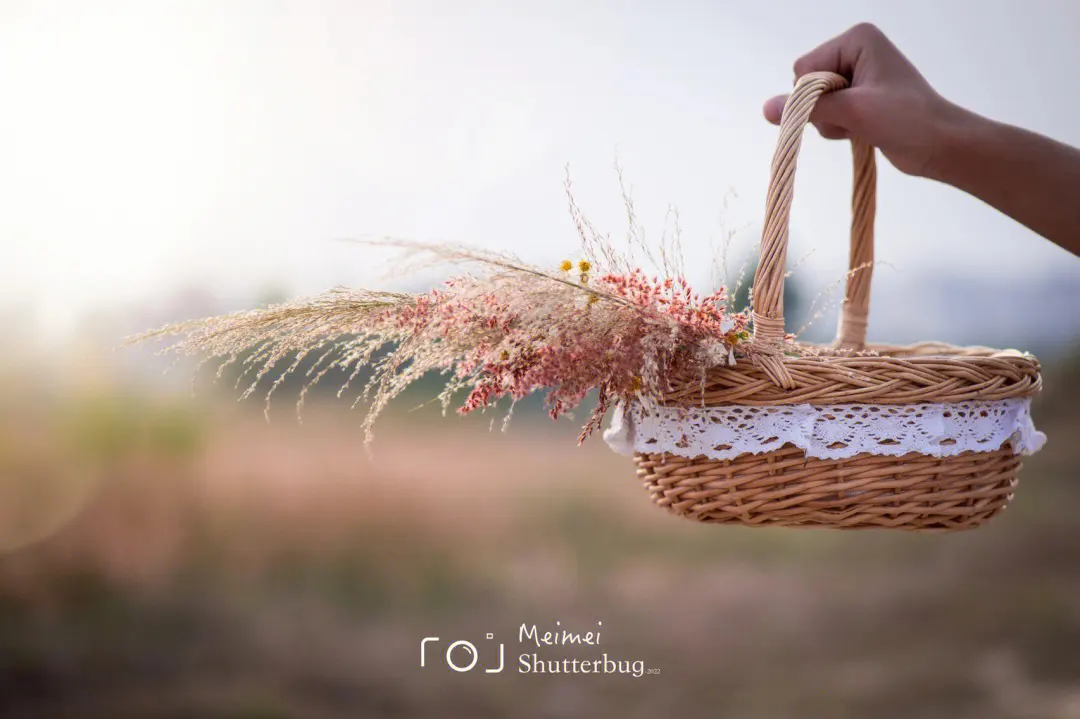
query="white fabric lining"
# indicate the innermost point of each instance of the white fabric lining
(826, 431)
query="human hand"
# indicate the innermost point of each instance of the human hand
(889, 104)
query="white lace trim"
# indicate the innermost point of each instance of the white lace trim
(827, 431)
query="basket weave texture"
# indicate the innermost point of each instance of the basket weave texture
(784, 487)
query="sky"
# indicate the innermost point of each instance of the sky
(154, 148)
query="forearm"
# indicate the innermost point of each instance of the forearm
(1031, 178)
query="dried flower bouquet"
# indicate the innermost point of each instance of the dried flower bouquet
(506, 330)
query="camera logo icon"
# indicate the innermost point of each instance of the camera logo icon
(461, 655)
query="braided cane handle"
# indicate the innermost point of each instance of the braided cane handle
(768, 312)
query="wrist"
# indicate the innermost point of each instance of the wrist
(953, 135)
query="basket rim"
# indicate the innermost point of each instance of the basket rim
(884, 374)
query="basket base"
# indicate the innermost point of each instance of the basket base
(914, 492)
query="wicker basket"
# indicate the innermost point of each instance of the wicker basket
(785, 487)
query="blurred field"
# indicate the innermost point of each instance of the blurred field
(181, 558)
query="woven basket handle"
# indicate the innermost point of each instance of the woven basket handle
(768, 312)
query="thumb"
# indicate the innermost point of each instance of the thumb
(837, 109)
(773, 108)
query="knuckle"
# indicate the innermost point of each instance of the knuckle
(865, 30)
